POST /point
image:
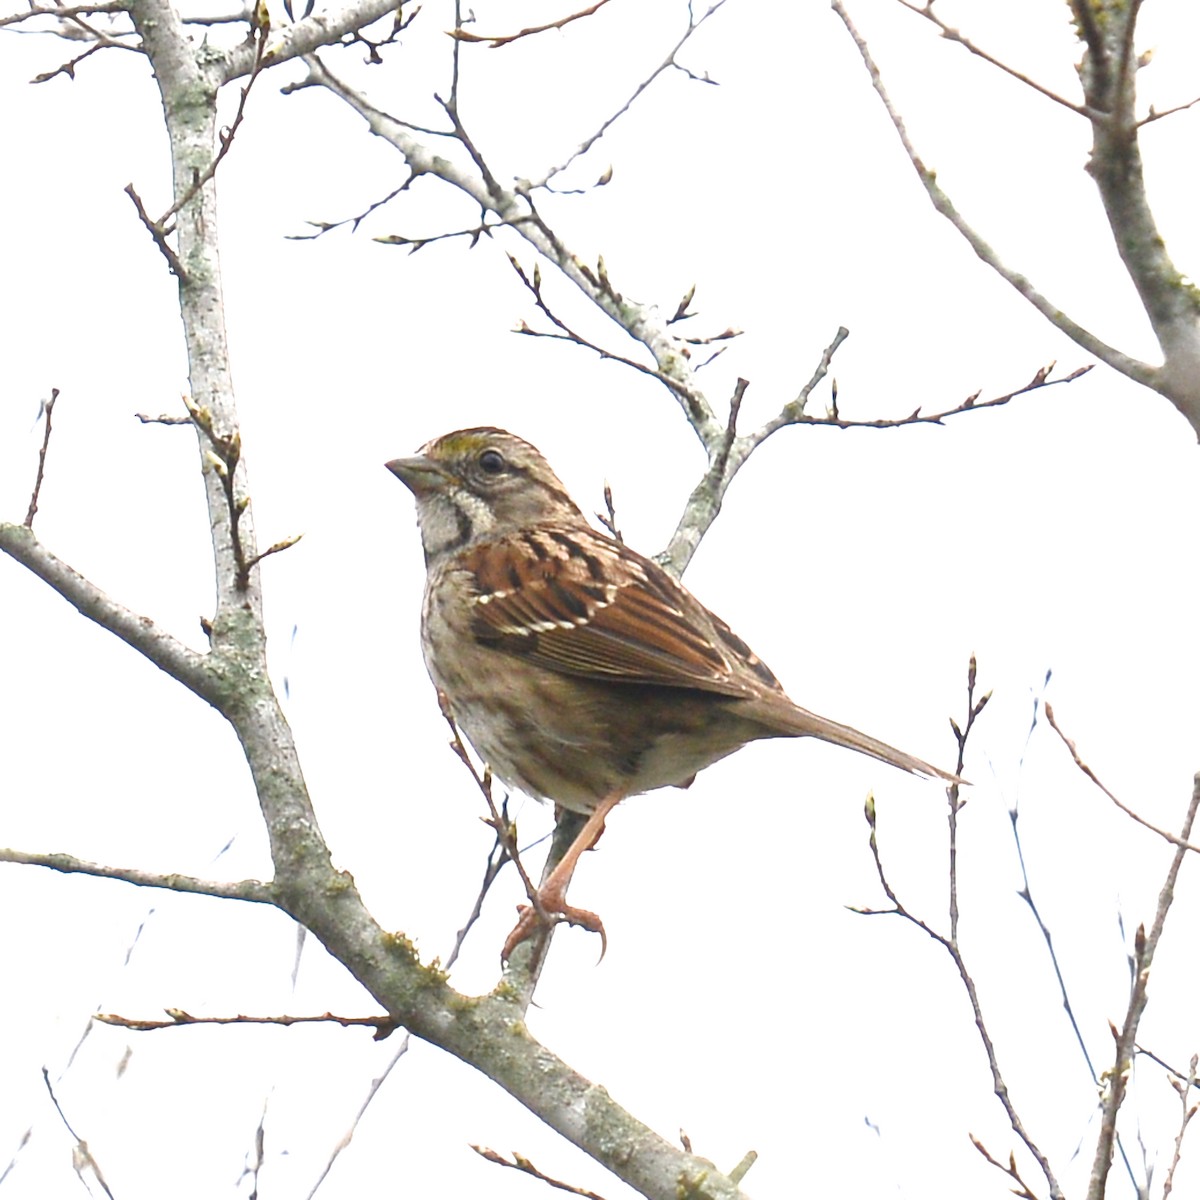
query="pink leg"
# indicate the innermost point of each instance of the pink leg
(552, 895)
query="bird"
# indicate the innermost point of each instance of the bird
(580, 670)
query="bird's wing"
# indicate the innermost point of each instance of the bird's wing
(573, 600)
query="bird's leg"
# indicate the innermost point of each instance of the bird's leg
(552, 895)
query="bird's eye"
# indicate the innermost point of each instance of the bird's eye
(491, 462)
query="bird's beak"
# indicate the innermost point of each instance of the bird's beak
(419, 474)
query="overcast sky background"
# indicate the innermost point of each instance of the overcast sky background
(740, 1000)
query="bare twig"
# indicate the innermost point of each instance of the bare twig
(47, 411)
(521, 1163)
(971, 404)
(157, 233)
(1157, 115)
(162, 419)
(68, 68)
(223, 458)
(260, 28)
(1144, 947)
(1188, 1111)
(504, 829)
(503, 40)
(667, 64)
(953, 35)
(950, 943)
(1026, 894)
(176, 1018)
(83, 1157)
(608, 518)
(450, 107)
(514, 209)
(373, 1090)
(567, 334)
(63, 12)
(1175, 1072)
(1009, 1168)
(166, 652)
(324, 227)
(1165, 834)
(253, 890)
(1134, 369)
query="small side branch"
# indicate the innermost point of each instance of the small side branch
(48, 413)
(515, 209)
(521, 1163)
(670, 62)
(252, 890)
(1134, 369)
(223, 458)
(158, 234)
(1183, 1088)
(260, 28)
(165, 651)
(495, 41)
(84, 1160)
(950, 944)
(1165, 834)
(953, 35)
(177, 1018)
(1144, 946)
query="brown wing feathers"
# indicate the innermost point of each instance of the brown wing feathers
(638, 627)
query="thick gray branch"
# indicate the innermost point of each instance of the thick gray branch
(163, 650)
(323, 28)
(488, 1033)
(1108, 73)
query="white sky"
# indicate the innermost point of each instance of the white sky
(739, 1000)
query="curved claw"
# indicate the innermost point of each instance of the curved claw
(530, 922)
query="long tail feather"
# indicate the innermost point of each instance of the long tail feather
(807, 724)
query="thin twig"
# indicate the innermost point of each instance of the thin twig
(1156, 115)
(68, 68)
(953, 35)
(259, 31)
(324, 227)
(63, 13)
(1145, 944)
(1188, 1107)
(1009, 1168)
(177, 1018)
(950, 944)
(47, 411)
(567, 334)
(667, 64)
(160, 238)
(83, 1156)
(1165, 834)
(505, 39)
(1134, 369)
(497, 821)
(253, 890)
(1026, 894)
(521, 1163)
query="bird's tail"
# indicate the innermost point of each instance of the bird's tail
(807, 724)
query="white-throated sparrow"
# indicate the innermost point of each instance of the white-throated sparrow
(580, 671)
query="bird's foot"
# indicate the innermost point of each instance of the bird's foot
(553, 911)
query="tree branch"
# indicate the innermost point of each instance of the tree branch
(1145, 944)
(516, 211)
(1134, 369)
(161, 648)
(253, 890)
